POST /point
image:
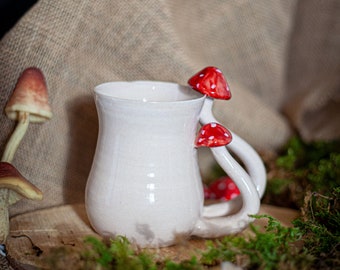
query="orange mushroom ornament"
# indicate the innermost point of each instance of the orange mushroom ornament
(28, 103)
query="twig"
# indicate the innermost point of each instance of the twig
(38, 250)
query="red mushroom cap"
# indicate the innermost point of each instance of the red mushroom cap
(210, 81)
(224, 189)
(207, 192)
(213, 135)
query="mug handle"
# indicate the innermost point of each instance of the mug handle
(254, 167)
(213, 222)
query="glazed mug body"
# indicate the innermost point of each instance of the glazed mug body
(145, 182)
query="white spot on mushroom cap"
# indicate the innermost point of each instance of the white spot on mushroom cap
(211, 137)
(213, 125)
(213, 86)
(231, 186)
(222, 186)
(234, 195)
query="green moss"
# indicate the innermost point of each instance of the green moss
(320, 227)
(272, 249)
(303, 167)
(118, 254)
(192, 264)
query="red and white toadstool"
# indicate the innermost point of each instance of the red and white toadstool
(223, 188)
(211, 82)
(213, 135)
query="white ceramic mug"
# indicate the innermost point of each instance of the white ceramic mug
(145, 182)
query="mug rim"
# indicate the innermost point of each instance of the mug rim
(188, 94)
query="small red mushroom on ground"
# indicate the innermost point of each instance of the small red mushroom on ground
(223, 188)
(207, 192)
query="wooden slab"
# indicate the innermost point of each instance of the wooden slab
(59, 229)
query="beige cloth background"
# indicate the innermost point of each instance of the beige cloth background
(280, 57)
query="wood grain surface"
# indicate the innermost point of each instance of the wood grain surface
(38, 237)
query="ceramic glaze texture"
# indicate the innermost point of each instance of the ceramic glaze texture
(145, 182)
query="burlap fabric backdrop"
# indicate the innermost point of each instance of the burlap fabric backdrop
(281, 59)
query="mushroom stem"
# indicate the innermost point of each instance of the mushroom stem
(16, 137)
(5, 194)
(242, 149)
(4, 220)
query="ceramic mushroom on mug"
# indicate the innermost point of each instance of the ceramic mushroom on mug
(211, 82)
(214, 135)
